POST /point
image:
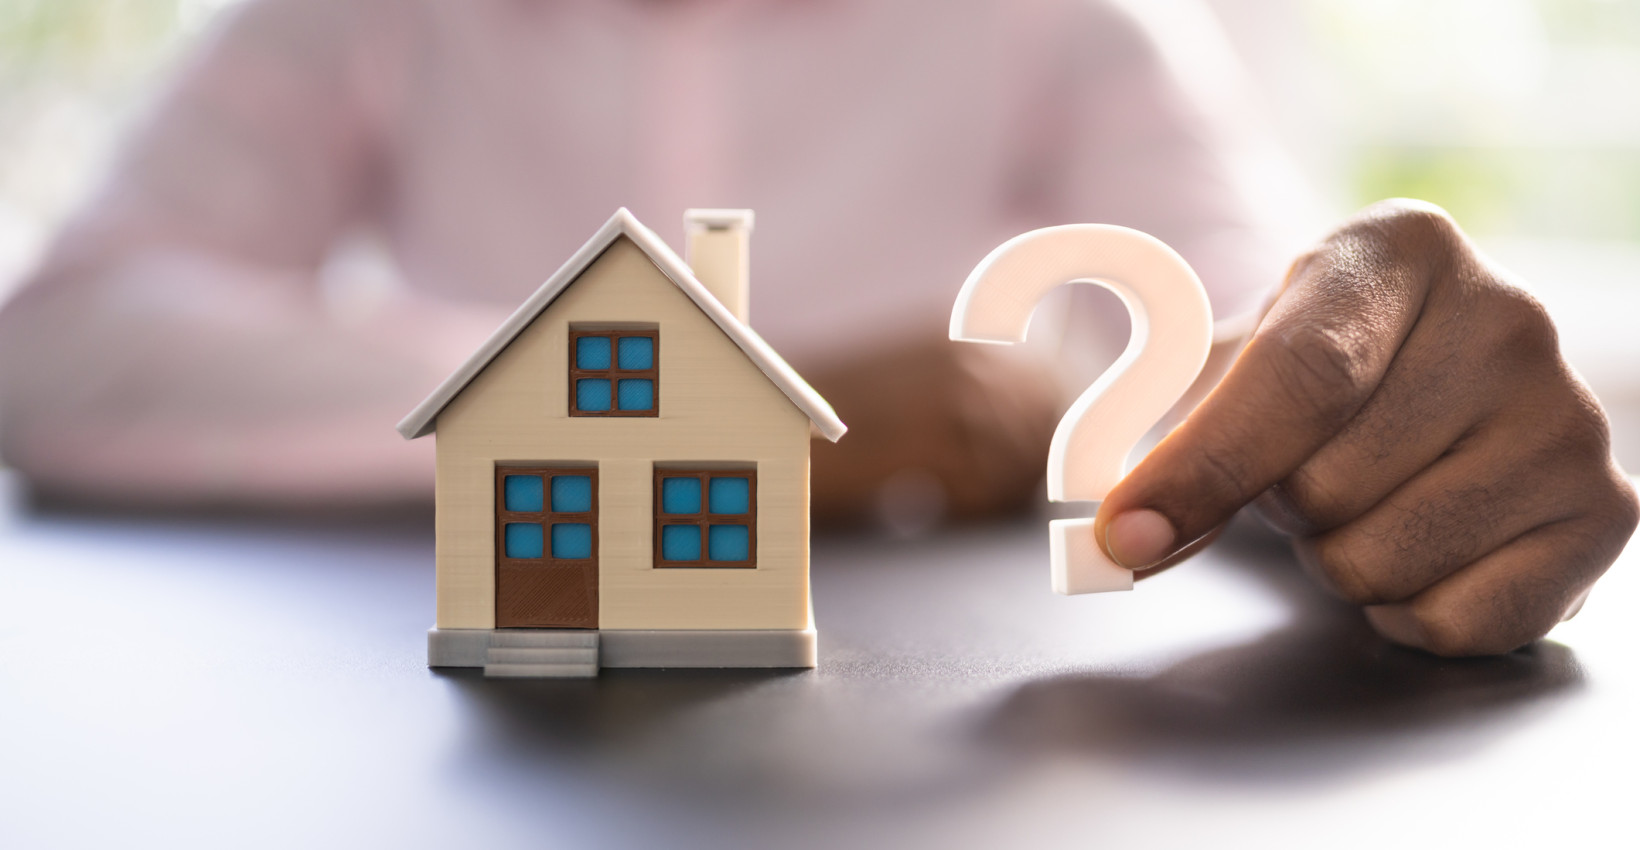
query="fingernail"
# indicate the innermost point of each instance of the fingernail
(1577, 605)
(1139, 539)
(1397, 623)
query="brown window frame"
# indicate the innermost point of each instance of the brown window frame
(545, 517)
(706, 519)
(614, 373)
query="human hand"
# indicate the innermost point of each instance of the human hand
(935, 430)
(1404, 415)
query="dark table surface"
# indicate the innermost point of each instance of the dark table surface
(194, 683)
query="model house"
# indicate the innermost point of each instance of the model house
(623, 471)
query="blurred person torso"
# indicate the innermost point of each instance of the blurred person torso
(886, 146)
(169, 346)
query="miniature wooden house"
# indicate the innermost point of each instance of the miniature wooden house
(623, 471)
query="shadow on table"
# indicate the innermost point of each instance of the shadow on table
(587, 716)
(1322, 696)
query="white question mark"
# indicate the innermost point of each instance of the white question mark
(1172, 332)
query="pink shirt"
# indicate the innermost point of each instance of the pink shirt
(886, 146)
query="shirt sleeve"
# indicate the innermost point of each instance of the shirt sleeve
(260, 147)
(173, 344)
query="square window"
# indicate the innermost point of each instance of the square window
(614, 372)
(636, 393)
(523, 494)
(592, 352)
(680, 495)
(730, 495)
(523, 540)
(592, 394)
(571, 494)
(636, 353)
(705, 518)
(728, 543)
(680, 542)
(572, 540)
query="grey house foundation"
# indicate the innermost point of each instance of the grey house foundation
(568, 653)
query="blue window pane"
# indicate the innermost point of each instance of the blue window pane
(571, 494)
(680, 495)
(680, 542)
(730, 495)
(592, 352)
(522, 493)
(728, 543)
(523, 540)
(592, 394)
(571, 540)
(637, 352)
(637, 394)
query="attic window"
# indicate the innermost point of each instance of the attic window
(614, 372)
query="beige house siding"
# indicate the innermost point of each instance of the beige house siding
(715, 407)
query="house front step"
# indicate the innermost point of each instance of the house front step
(542, 653)
(541, 671)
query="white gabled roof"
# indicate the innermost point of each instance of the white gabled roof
(420, 421)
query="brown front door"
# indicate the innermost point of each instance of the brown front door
(546, 547)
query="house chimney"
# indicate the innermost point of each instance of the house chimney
(718, 241)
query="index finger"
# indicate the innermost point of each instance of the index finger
(1314, 361)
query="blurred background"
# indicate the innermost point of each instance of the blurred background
(251, 705)
(1518, 116)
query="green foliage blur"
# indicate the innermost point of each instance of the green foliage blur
(1521, 117)
(85, 41)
